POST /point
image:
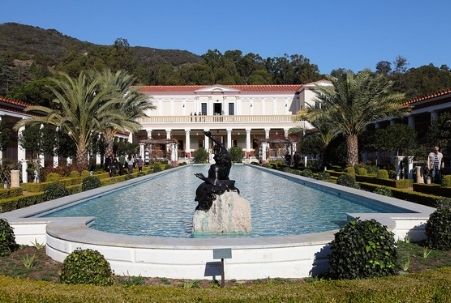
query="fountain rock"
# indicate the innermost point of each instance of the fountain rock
(229, 213)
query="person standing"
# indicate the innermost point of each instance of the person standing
(130, 164)
(435, 164)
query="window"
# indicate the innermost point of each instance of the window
(204, 108)
(231, 109)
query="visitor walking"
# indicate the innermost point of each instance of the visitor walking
(140, 163)
(130, 164)
(435, 164)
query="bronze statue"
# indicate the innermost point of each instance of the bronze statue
(217, 181)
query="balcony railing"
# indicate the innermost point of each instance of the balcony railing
(218, 119)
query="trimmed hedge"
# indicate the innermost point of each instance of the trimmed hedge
(433, 189)
(40, 187)
(405, 183)
(382, 174)
(403, 194)
(10, 192)
(21, 201)
(427, 286)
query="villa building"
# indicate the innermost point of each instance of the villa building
(256, 118)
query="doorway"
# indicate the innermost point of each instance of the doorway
(217, 109)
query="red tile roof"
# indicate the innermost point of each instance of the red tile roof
(260, 88)
(427, 98)
(17, 103)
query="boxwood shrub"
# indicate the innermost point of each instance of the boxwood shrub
(361, 171)
(438, 227)
(53, 177)
(74, 174)
(446, 181)
(363, 249)
(347, 180)
(350, 170)
(86, 266)
(382, 174)
(55, 191)
(7, 238)
(90, 182)
(383, 191)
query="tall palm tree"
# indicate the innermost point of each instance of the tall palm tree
(132, 105)
(353, 102)
(81, 108)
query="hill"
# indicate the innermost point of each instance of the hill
(50, 46)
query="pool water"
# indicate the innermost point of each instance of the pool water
(164, 206)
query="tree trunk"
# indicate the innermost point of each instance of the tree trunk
(352, 148)
(109, 142)
(82, 156)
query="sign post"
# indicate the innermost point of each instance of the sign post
(222, 253)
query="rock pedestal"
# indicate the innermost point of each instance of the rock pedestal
(229, 214)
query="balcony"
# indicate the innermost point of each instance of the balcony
(218, 120)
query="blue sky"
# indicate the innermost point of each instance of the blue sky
(343, 33)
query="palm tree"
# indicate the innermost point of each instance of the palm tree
(353, 102)
(132, 105)
(81, 108)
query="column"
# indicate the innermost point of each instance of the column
(434, 116)
(141, 150)
(285, 132)
(168, 133)
(149, 133)
(69, 160)
(187, 143)
(24, 171)
(411, 121)
(206, 141)
(55, 155)
(248, 139)
(267, 133)
(229, 138)
(20, 150)
(41, 158)
(130, 137)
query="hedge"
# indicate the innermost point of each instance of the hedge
(433, 189)
(446, 181)
(335, 173)
(420, 198)
(40, 187)
(404, 183)
(19, 202)
(10, 192)
(427, 286)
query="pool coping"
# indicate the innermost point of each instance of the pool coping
(77, 229)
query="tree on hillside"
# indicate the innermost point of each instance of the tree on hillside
(83, 107)
(352, 103)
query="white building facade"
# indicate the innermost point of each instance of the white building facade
(248, 116)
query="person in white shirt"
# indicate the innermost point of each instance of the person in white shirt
(435, 164)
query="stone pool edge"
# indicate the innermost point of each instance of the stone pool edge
(191, 258)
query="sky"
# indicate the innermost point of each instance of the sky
(354, 34)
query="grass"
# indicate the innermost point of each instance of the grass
(421, 257)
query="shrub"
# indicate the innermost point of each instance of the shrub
(55, 191)
(361, 171)
(86, 267)
(306, 173)
(446, 181)
(444, 202)
(200, 155)
(383, 191)
(382, 174)
(84, 173)
(90, 182)
(350, 170)
(392, 174)
(53, 177)
(322, 176)
(236, 154)
(363, 249)
(372, 169)
(438, 227)
(347, 180)
(74, 174)
(7, 238)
